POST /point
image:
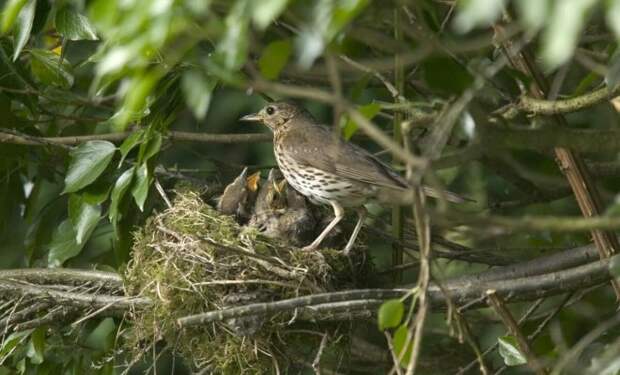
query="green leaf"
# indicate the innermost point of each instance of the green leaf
(119, 190)
(197, 88)
(265, 11)
(151, 147)
(10, 12)
(327, 19)
(88, 161)
(369, 111)
(614, 266)
(509, 350)
(84, 217)
(532, 13)
(140, 188)
(36, 346)
(97, 192)
(63, 245)
(47, 68)
(24, 27)
(473, 13)
(565, 24)
(100, 337)
(398, 341)
(129, 143)
(135, 105)
(612, 78)
(73, 25)
(12, 341)
(613, 16)
(233, 47)
(391, 314)
(274, 58)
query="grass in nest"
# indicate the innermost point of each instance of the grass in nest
(182, 260)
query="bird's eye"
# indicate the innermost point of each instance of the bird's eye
(270, 110)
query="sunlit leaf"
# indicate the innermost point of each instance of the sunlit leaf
(565, 24)
(140, 188)
(509, 350)
(390, 314)
(84, 216)
(135, 104)
(265, 11)
(474, 13)
(24, 27)
(612, 78)
(47, 67)
(118, 192)
(10, 12)
(274, 58)
(63, 245)
(613, 16)
(327, 19)
(73, 25)
(197, 88)
(532, 13)
(88, 161)
(233, 47)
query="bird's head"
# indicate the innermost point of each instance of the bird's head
(277, 114)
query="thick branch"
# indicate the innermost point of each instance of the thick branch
(532, 287)
(551, 107)
(14, 138)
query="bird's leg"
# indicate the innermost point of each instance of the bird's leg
(361, 215)
(339, 212)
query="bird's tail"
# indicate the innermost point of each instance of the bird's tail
(405, 196)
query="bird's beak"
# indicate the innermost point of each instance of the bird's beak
(251, 117)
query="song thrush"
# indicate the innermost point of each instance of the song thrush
(327, 169)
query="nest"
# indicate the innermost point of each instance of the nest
(192, 259)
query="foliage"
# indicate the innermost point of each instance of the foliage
(125, 75)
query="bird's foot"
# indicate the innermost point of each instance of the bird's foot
(311, 247)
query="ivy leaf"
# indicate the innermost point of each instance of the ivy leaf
(274, 58)
(48, 69)
(390, 314)
(63, 245)
(140, 189)
(73, 25)
(197, 88)
(88, 161)
(509, 350)
(24, 27)
(119, 190)
(84, 216)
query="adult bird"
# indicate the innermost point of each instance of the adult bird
(319, 164)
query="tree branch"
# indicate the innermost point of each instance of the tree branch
(9, 136)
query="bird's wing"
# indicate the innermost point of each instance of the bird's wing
(317, 146)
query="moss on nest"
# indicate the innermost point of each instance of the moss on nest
(191, 259)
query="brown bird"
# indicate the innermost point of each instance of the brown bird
(327, 169)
